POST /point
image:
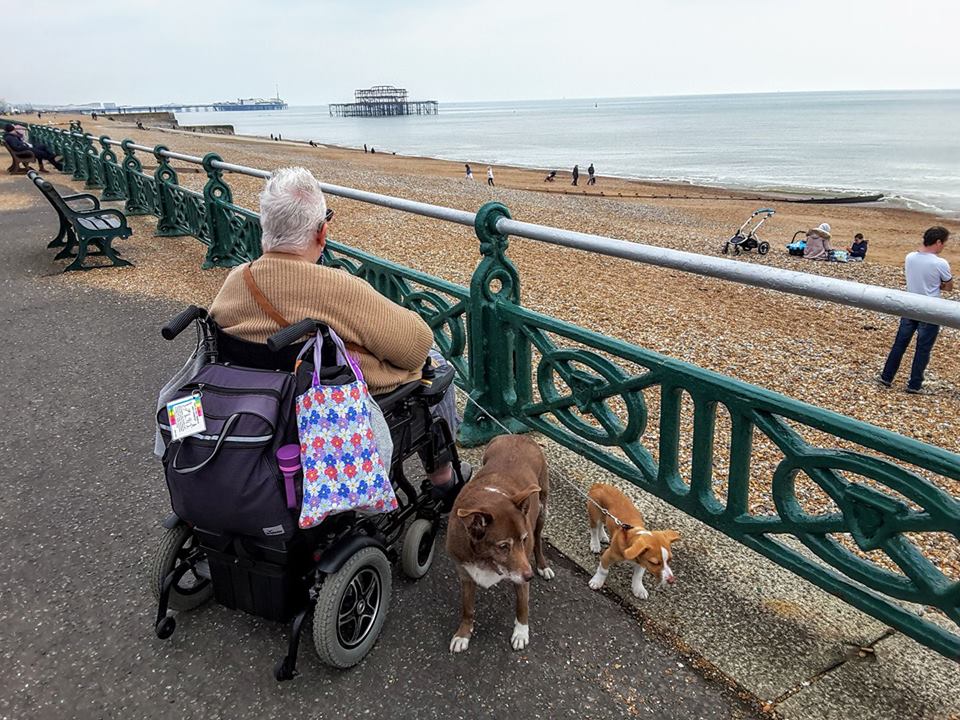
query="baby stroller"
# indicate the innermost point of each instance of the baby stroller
(338, 571)
(748, 240)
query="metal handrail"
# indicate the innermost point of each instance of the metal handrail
(844, 292)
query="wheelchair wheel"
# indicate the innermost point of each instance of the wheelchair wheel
(179, 545)
(763, 248)
(419, 543)
(351, 608)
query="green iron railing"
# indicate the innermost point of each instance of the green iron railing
(593, 394)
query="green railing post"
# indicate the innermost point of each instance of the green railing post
(165, 177)
(137, 201)
(95, 172)
(499, 360)
(115, 187)
(69, 157)
(80, 169)
(216, 193)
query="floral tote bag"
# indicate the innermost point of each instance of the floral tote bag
(343, 468)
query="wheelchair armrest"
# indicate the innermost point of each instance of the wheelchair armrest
(442, 378)
(388, 400)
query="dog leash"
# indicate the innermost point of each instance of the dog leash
(570, 483)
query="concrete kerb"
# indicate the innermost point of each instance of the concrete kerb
(772, 634)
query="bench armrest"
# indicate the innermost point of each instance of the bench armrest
(82, 196)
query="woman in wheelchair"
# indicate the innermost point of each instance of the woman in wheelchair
(391, 343)
(338, 570)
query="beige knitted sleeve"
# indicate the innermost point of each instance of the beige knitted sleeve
(387, 331)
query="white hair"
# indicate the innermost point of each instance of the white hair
(292, 209)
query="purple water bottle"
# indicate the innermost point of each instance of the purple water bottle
(288, 458)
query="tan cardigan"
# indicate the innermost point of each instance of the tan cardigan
(395, 340)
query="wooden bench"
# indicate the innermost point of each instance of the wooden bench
(81, 228)
(18, 158)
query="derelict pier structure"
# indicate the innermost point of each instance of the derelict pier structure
(383, 101)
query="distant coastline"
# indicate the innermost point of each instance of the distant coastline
(898, 143)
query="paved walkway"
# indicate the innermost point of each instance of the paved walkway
(81, 498)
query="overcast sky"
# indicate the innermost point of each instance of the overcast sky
(157, 51)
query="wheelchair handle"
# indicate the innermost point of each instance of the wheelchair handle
(291, 333)
(180, 322)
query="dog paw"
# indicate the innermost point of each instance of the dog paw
(546, 573)
(594, 544)
(521, 636)
(639, 591)
(596, 582)
(459, 644)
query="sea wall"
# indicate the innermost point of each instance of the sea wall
(213, 129)
(150, 119)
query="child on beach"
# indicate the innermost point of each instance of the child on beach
(858, 251)
(469, 172)
(490, 176)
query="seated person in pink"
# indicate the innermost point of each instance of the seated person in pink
(818, 243)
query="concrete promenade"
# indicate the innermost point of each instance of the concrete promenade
(81, 497)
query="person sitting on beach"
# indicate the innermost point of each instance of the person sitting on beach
(13, 138)
(818, 243)
(390, 342)
(858, 251)
(551, 177)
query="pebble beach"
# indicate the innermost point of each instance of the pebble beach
(824, 354)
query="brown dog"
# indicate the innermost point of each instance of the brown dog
(649, 551)
(495, 524)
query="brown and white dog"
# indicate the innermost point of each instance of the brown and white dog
(495, 524)
(648, 550)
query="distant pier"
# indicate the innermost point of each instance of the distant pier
(229, 106)
(383, 101)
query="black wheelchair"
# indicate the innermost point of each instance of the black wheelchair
(338, 573)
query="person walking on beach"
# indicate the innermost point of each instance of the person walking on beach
(364, 147)
(576, 174)
(469, 171)
(927, 274)
(591, 178)
(490, 176)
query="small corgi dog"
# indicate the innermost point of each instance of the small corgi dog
(648, 550)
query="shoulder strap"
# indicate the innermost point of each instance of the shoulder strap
(261, 299)
(272, 311)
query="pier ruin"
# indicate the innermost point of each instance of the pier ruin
(383, 101)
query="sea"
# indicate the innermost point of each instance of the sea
(904, 144)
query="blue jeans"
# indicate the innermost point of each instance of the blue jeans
(926, 337)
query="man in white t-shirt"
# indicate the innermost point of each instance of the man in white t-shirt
(927, 274)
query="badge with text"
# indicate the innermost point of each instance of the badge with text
(186, 416)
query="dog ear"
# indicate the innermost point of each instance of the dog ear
(475, 522)
(638, 548)
(522, 498)
(671, 536)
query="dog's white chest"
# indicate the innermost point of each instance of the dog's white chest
(481, 576)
